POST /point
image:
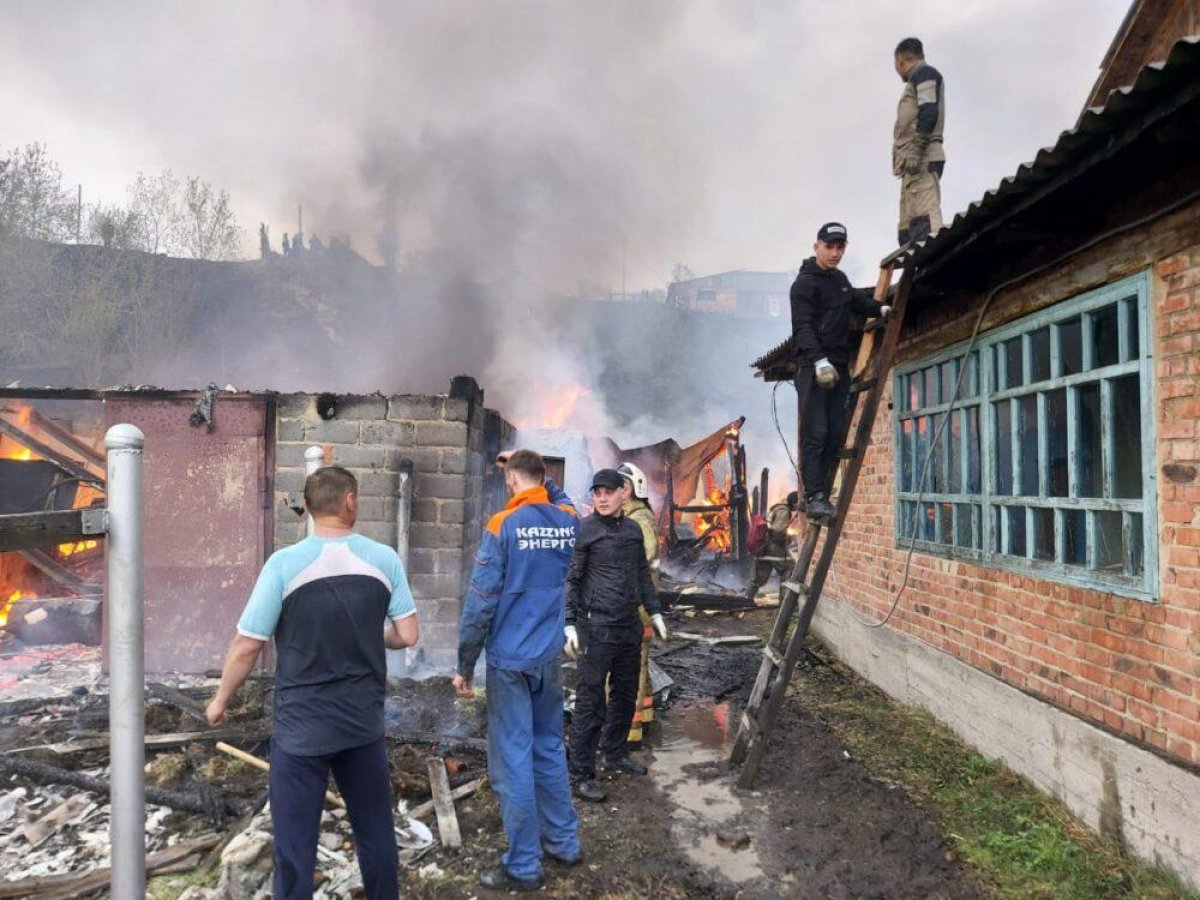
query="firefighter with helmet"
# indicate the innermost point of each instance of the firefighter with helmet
(636, 506)
(773, 557)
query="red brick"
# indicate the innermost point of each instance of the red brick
(1171, 265)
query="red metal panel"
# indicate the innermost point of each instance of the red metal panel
(204, 524)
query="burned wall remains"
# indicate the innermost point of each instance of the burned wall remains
(450, 439)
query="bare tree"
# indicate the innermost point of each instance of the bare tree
(116, 226)
(210, 230)
(32, 201)
(154, 199)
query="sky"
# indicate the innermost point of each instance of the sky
(579, 146)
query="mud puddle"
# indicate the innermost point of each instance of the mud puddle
(707, 819)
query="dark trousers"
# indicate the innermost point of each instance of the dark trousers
(527, 763)
(822, 419)
(298, 785)
(611, 653)
(777, 562)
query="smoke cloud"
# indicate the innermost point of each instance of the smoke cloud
(507, 156)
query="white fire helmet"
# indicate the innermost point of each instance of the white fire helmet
(636, 477)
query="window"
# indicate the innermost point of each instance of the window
(1045, 458)
(707, 298)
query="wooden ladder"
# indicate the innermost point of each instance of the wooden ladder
(781, 652)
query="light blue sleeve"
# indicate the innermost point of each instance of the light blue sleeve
(262, 612)
(401, 605)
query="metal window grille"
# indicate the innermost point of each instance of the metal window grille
(1047, 462)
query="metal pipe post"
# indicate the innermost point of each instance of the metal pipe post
(126, 662)
(404, 497)
(314, 458)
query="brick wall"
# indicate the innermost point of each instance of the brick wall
(1130, 666)
(444, 436)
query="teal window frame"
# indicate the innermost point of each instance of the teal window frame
(1047, 483)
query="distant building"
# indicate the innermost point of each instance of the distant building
(756, 295)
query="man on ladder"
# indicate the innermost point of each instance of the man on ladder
(823, 301)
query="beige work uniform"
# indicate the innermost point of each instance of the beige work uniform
(917, 144)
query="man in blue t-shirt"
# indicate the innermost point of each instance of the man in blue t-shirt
(332, 603)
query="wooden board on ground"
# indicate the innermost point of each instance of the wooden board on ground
(715, 640)
(463, 790)
(79, 884)
(443, 804)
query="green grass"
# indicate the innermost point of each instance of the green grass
(1020, 842)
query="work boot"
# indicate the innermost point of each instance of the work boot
(498, 879)
(626, 764)
(567, 861)
(819, 509)
(590, 791)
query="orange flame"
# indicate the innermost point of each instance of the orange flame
(6, 605)
(715, 522)
(557, 408)
(10, 449)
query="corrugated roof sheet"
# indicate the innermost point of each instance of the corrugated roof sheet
(1155, 83)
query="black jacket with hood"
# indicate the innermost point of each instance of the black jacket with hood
(609, 575)
(823, 301)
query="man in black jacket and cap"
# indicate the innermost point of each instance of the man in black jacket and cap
(823, 302)
(609, 577)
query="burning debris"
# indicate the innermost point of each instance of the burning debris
(46, 465)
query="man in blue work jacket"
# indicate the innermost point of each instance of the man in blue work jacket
(515, 607)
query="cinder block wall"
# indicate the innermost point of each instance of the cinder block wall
(1127, 667)
(444, 436)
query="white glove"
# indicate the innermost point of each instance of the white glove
(885, 311)
(659, 625)
(572, 645)
(827, 375)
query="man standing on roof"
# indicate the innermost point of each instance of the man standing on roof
(609, 577)
(332, 603)
(774, 555)
(822, 303)
(635, 505)
(918, 159)
(515, 607)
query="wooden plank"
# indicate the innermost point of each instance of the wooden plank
(867, 346)
(248, 758)
(443, 804)
(64, 462)
(23, 531)
(100, 741)
(422, 810)
(79, 884)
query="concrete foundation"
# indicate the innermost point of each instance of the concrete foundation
(1115, 787)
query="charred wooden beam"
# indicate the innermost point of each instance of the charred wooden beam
(22, 531)
(63, 461)
(60, 574)
(208, 800)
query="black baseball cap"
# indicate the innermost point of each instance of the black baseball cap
(607, 478)
(832, 233)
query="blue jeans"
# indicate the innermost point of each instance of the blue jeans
(527, 764)
(298, 785)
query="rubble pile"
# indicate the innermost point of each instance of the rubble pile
(54, 776)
